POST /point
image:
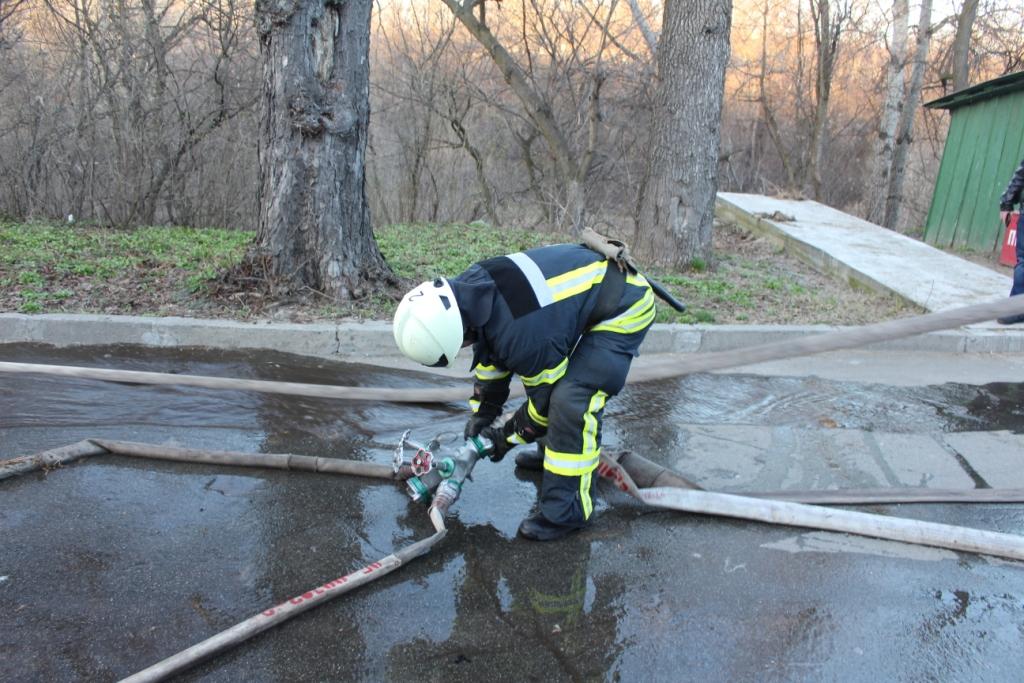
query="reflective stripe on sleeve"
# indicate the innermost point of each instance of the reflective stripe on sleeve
(549, 376)
(489, 373)
(633, 319)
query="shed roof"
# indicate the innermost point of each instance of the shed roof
(982, 91)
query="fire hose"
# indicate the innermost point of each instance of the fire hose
(431, 479)
(677, 366)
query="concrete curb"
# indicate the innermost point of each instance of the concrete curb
(372, 341)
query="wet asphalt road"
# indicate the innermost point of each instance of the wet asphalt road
(110, 564)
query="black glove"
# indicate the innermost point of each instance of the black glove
(490, 399)
(501, 446)
(476, 423)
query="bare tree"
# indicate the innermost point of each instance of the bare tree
(314, 221)
(962, 44)
(8, 10)
(126, 95)
(891, 108)
(128, 112)
(573, 164)
(999, 40)
(905, 129)
(678, 208)
(650, 37)
(828, 24)
(414, 50)
(764, 101)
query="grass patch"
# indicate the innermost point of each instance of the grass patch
(423, 251)
(167, 271)
(702, 292)
(108, 253)
(55, 267)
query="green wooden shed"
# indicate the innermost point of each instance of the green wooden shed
(984, 146)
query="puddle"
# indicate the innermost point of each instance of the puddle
(814, 403)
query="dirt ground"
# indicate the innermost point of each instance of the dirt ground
(990, 261)
(787, 291)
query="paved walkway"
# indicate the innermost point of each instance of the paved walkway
(871, 255)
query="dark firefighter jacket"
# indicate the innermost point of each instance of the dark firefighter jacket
(1014, 190)
(528, 310)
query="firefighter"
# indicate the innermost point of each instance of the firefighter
(568, 322)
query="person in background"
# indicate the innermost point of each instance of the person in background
(1010, 198)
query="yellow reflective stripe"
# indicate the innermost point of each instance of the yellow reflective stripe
(568, 457)
(629, 326)
(588, 505)
(578, 464)
(549, 376)
(641, 321)
(570, 604)
(474, 405)
(577, 281)
(515, 439)
(490, 372)
(637, 279)
(633, 319)
(557, 280)
(637, 309)
(537, 418)
(597, 402)
(570, 464)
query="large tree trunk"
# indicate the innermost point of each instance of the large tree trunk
(314, 221)
(678, 207)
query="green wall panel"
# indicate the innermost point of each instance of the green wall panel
(934, 228)
(980, 175)
(984, 145)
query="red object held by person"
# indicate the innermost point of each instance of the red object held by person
(1008, 256)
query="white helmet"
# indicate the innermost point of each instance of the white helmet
(428, 325)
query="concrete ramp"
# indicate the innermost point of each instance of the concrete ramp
(864, 253)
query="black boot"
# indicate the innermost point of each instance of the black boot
(532, 459)
(536, 527)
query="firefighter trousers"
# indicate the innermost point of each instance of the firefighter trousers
(572, 446)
